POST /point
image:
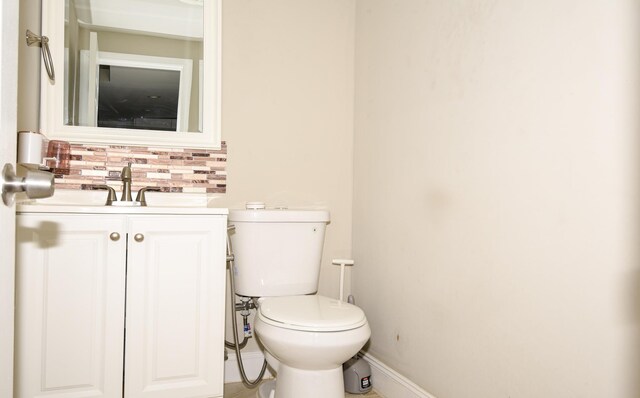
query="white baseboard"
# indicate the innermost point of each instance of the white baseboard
(386, 381)
(391, 384)
(252, 361)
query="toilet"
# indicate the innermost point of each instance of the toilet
(306, 337)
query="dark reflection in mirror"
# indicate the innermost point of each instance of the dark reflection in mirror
(138, 98)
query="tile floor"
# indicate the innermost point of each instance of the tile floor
(238, 390)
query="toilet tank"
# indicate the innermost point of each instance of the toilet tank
(277, 251)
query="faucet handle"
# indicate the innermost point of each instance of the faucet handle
(140, 197)
(111, 195)
(126, 172)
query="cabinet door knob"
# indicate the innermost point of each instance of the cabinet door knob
(114, 236)
(138, 237)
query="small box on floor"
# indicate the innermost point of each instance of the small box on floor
(357, 376)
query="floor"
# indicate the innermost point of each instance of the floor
(238, 390)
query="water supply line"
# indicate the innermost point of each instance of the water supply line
(245, 326)
(244, 307)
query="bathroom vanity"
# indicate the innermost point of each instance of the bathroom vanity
(114, 302)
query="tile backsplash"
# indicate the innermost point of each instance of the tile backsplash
(171, 169)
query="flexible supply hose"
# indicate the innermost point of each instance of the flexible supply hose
(245, 339)
(237, 346)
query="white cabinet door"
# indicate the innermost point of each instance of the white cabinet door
(175, 301)
(70, 291)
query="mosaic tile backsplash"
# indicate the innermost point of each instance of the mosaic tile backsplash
(171, 169)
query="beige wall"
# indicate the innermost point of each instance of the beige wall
(29, 61)
(496, 194)
(287, 111)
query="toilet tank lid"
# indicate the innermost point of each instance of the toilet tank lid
(311, 313)
(278, 215)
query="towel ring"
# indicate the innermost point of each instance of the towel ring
(33, 39)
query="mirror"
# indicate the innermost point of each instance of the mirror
(135, 72)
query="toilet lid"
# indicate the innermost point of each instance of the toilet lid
(311, 313)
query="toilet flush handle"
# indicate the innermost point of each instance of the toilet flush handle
(342, 263)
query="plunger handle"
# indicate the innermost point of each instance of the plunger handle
(342, 263)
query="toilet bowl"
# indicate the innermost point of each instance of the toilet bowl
(308, 338)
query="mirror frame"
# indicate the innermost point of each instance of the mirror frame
(52, 94)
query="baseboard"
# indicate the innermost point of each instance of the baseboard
(391, 384)
(386, 381)
(252, 361)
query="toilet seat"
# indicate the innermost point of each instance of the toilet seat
(310, 313)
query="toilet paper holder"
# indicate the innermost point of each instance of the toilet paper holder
(36, 152)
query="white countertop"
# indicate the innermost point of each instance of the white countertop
(27, 208)
(92, 202)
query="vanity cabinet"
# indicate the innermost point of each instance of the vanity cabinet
(120, 305)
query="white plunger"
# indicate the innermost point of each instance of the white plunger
(342, 263)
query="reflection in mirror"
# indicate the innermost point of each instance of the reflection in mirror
(129, 65)
(138, 98)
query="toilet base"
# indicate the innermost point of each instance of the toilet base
(296, 383)
(267, 389)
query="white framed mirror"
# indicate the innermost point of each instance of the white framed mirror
(133, 72)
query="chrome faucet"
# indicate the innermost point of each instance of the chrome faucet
(125, 176)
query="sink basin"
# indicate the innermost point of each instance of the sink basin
(126, 204)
